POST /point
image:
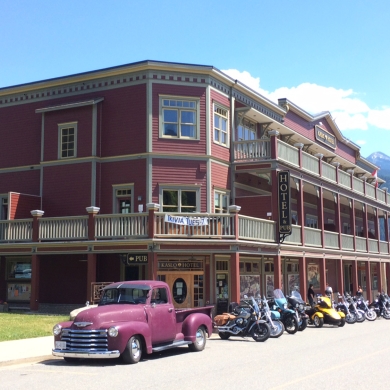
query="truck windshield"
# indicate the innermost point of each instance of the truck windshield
(132, 295)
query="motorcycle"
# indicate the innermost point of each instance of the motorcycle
(350, 316)
(297, 304)
(272, 318)
(362, 304)
(244, 321)
(380, 306)
(360, 315)
(324, 313)
(287, 316)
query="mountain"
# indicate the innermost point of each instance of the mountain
(383, 162)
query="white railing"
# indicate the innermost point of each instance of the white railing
(312, 237)
(63, 228)
(329, 171)
(256, 229)
(310, 163)
(219, 225)
(373, 246)
(361, 244)
(288, 153)
(295, 237)
(344, 178)
(381, 195)
(347, 242)
(384, 246)
(121, 225)
(358, 185)
(16, 230)
(331, 240)
(252, 149)
(370, 190)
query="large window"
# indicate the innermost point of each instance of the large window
(312, 221)
(221, 202)
(179, 118)
(221, 126)
(180, 201)
(247, 131)
(67, 140)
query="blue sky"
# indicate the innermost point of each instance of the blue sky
(324, 56)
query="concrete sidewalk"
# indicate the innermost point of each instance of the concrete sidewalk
(26, 350)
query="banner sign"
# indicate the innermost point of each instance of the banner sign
(284, 203)
(324, 137)
(190, 221)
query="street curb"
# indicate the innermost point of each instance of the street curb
(35, 359)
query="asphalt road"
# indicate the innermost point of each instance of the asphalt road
(355, 356)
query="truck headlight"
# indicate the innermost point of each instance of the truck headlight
(57, 329)
(113, 331)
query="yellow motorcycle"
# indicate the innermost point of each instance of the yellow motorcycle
(324, 313)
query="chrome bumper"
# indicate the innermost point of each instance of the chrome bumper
(86, 355)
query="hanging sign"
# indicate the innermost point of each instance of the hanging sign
(325, 137)
(284, 203)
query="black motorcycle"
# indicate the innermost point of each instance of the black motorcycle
(353, 308)
(244, 321)
(343, 305)
(362, 304)
(380, 305)
(296, 303)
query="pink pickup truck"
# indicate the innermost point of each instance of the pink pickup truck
(132, 319)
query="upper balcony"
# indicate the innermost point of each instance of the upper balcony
(154, 225)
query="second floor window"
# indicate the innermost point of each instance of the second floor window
(123, 200)
(246, 131)
(179, 118)
(67, 140)
(220, 126)
(179, 201)
(221, 201)
(312, 221)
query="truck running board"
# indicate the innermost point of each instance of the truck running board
(171, 345)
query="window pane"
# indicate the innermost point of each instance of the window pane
(170, 129)
(166, 102)
(216, 121)
(188, 131)
(170, 116)
(170, 198)
(187, 117)
(188, 198)
(216, 135)
(170, 209)
(216, 199)
(224, 124)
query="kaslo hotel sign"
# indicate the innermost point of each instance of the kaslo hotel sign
(284, 203)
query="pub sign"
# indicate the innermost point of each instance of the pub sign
(284, 203)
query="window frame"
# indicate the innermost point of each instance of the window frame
(227, 132)
(180, 189)
(116, 198)
(311, 217)
(197, 116)
(222, 193)
(250, 131)
(61, 127)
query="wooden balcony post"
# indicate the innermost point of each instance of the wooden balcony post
(338, 218)
(365, 225)
(152, 209)
(92, 212)
(379, 276)
(352, 221)
(323, 280)
(354, 277)
(278, 271)
(387, 277)
(35, 262)
(319, 156)
(303, 277)
(376, 224)
(152, 256)
(340, 276)
(273, 134)
(320, 213)
(233, 209)
(368, 280)
(301, 210)
(235, 277)
(299, 145)
(336, 165)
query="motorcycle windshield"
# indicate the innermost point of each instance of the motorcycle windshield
(280, 299)
(278, 294)
(255, 305)
(297, 296)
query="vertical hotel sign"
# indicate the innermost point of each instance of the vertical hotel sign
(284, 203)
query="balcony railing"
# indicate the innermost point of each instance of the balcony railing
(295, 237)
(63, 228)
(256, 229)
(17, 230)
(313, 237)
(358, 185)
(328, 171)
(331, 240)
(344, 179)
(373, 246)
(288, 153)
(370, 190)
(109, 226)
(361, 244)
(252, 149)
(310, 163)
(384, 246)
(347, 242)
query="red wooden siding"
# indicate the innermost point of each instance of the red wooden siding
(20, 205)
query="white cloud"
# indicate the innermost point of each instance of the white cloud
(348, 110)
(361, 142)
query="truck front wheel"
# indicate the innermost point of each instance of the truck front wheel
(200, 341)
(133, 351)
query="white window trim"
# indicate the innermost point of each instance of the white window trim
(227, 145)
(161, 121)
(180, 188)
(116, 187)
(62, 126)
(222, 192)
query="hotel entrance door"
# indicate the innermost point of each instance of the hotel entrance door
(182, 287)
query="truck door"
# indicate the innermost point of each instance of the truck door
(162, 317)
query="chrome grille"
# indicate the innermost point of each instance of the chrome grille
(85, 340)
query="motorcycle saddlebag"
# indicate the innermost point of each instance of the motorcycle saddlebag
(223, 319)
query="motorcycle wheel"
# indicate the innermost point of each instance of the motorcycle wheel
(291, 325)
(318, 322)
(360, 317)
(351, 318)
(224, 335)
(303, 325)
(277, 330)
(342, 323)
(260, 332)
(386, 314)
(370, 315)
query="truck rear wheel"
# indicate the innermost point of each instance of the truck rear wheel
(200, 341)
(133, 351)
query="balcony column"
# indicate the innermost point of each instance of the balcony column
(299, 146)
(323, 280)
(379, 276)
(303, 277)
(376, 224)
(354, 277)
(152, 256)
(368, 280)
(352, 221)
(91, 257)
(365, 225)
(233, 209)
(278, 271)
(340, 275)
(350, 171)
(319, 156)
(320, 213)
(35, 262)
(338, 218)
(273, 134)
(301, 209)
(388, 277)
(235, 277)
(336, 165)
(386, 223)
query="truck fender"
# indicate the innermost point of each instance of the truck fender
(193, 322)
(128, 329)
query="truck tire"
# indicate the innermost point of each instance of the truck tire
(133, 351)
(200, 341)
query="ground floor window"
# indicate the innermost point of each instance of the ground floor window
(18, 275)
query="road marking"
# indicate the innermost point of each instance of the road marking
(304, 378)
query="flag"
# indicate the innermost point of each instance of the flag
(375, 174)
